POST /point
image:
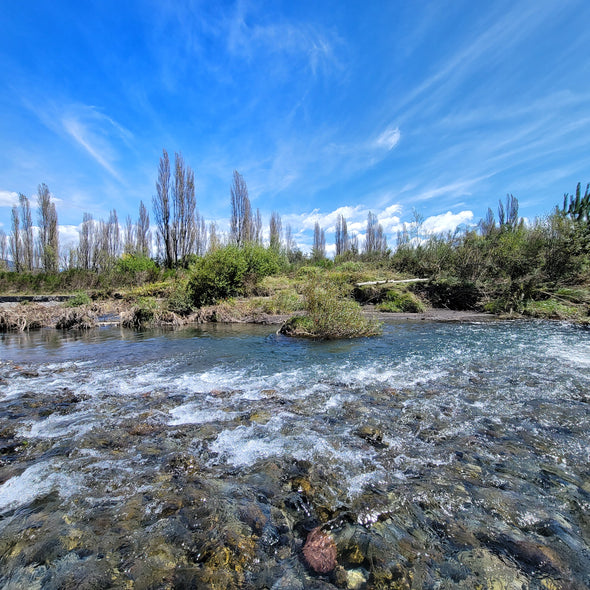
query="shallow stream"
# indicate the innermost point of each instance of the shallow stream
(436, 456)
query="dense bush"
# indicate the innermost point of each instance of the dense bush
(452, 293)
(230, 271)
(78, 299)
(505, 265)
(329, 315)
(401, 301)
(180, 301)
(133, 269)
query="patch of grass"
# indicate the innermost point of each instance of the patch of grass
(554, 310)
(78, 300)
(156, 289)
(329, 315)
(401, 301)
(574, 294)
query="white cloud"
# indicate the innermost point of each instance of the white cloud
(389, 218)
(8, 198)
(389, 138)
(446, 222)
(68, 236)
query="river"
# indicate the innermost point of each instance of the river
(436, 456)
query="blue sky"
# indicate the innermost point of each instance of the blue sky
(324, 107)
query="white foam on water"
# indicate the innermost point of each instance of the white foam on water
(192, 413)
(358, 483)
(245, 445)
(575, 354)
(336, 401)
(71, 425)
(37, 480)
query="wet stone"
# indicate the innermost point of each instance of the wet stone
(320, 551)
(373, 435)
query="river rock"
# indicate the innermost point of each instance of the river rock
(372, 435)
(490, 568)
(320, 551)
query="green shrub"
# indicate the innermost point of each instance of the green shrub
(230, 271)
(401, 301)
(329, 315)
(180, 300)
(78, 299)
(134, 264)
(288, 301)
(350, 265)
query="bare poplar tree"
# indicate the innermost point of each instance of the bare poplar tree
(276, 231)
(488, 224)
(241, 224)
(28, 251)
(319, 242)
(290, 245)
(3, 249)
(100, 246)
(175, 209)
(184, 209)
(201, 235)
(113, 237)
(85, 243)
(16, 241)
(508, 216)
(129, 236)
(375, 240)
(48, 232)
(257, 228)
(342, 243)
(214, 239)
(163, 209)
(142, 245)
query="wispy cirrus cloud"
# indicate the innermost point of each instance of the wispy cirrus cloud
(99, 135)
(249, 34)
(389, 138)
(96, 133)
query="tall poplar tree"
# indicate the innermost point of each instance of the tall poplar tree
(15, 240)
(142, 233)
(163, 209)
(342, 242)
(26, 233)
(276, 231)
(48, 230)
(241, 222)
(319, 242)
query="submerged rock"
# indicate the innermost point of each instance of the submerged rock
(372, 435)
(320, 551)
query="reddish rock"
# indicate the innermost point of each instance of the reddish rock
(320, 551)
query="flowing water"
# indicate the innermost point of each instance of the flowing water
(436, 456)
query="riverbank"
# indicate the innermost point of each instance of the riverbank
(29, 313)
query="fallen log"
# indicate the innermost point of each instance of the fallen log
(387, 281)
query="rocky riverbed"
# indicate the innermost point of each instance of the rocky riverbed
(439, 455)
